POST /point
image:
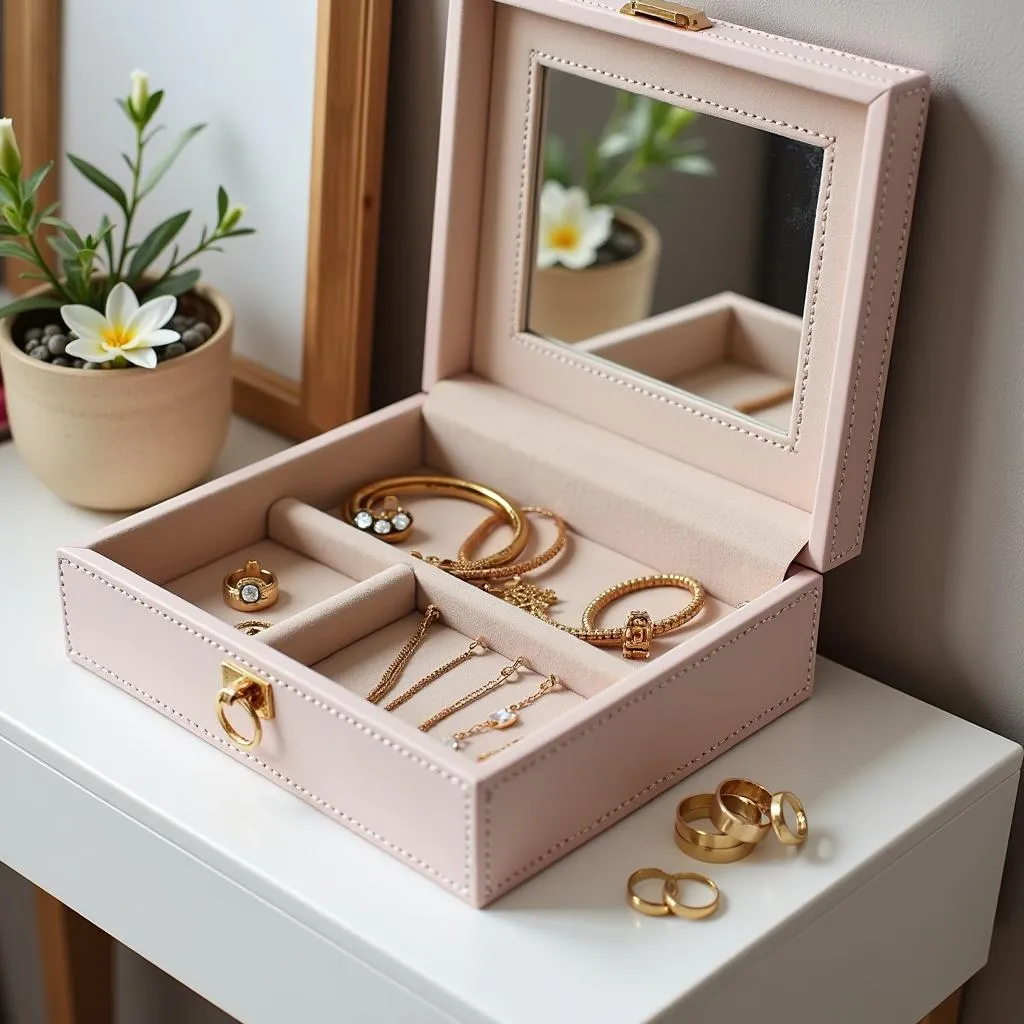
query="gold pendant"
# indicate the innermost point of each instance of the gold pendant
(524, 594)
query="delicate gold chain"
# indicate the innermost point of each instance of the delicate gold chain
(592, 634)
(394, 670)
(503, 718)
(421, 684)
(488, 687)
(497, 750)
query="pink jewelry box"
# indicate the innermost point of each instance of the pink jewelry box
(650, 478)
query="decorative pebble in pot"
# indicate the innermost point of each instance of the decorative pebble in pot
(117, 374)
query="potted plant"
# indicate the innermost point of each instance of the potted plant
(117, 371)
(596, 259)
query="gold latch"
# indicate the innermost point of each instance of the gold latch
(254, 696)
(667, 10)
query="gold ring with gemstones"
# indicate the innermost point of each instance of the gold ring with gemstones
(250, 589)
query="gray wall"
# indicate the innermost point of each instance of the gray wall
(934, 605)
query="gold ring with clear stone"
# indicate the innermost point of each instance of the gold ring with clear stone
(251, 588)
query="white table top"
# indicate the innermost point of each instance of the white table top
(564, 946)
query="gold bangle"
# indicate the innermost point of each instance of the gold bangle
(778, 817)
(251, 588)
(712, 847)
(365, 501)
(680, 909)
(635, 636)
(489, 525)
(734, 825)
(638, 903)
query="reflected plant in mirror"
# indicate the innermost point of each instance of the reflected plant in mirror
(674, 243)
(583, 216)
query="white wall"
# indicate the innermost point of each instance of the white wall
(247, 68)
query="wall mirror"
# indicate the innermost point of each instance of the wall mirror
(674, 243)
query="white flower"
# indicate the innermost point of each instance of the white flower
(10, 157)
(128, 329)
(570, 229)
(140, 92)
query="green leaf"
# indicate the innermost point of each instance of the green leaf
(154, 243)
(6, 229)
(164, 165)
(128, 112)
(696, 164)
(33, 183)
(62, 247)
(235, 232)
(33, 275)
(105, 232)
(101, 181)
(153, 105)
(557, 163)
(15, 252)
(177, 284)
(222, 202)
(128, 160)
(30, 302)
(72, 235)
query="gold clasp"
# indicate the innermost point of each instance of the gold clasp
(669, 11)
(252, 694)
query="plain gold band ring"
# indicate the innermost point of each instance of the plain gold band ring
(734, 825)
(680, 909)
(712, 847)
(778, 817)
(638, 903)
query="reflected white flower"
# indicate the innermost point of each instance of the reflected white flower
(570, 230)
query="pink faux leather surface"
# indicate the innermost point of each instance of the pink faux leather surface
(844, 103)
(671, 723)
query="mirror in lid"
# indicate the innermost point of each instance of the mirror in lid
(674, 243)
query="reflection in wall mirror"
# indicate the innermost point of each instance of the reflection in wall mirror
(674, 243)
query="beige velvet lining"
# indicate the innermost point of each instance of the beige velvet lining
(348, 600)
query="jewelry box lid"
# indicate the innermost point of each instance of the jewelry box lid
(684, 231)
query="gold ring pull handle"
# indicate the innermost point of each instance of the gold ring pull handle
(244, 690)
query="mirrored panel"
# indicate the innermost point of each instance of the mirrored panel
(674, 243)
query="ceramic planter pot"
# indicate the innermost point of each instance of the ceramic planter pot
(123, 439)
(573, 305)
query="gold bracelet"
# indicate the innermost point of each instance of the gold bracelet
(635, 636)
(498, 572)
(479, 644)
(362, 511)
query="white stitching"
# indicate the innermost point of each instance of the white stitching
(463, 890)
(889, 327)
(561, 357)
(552, 853)
(730, 26)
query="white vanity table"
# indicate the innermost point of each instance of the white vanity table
(274, 913)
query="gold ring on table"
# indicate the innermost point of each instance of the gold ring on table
(727, 821)
(680, 909)
(778, 818)
(377, 503)
(251, 588)
(635, 637)
(489, 525)
(712, 847)
(638, 903)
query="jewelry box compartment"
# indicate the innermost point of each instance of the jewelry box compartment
(616, 735)
(734, 351)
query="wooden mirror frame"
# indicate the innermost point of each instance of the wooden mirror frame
(349, 102)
